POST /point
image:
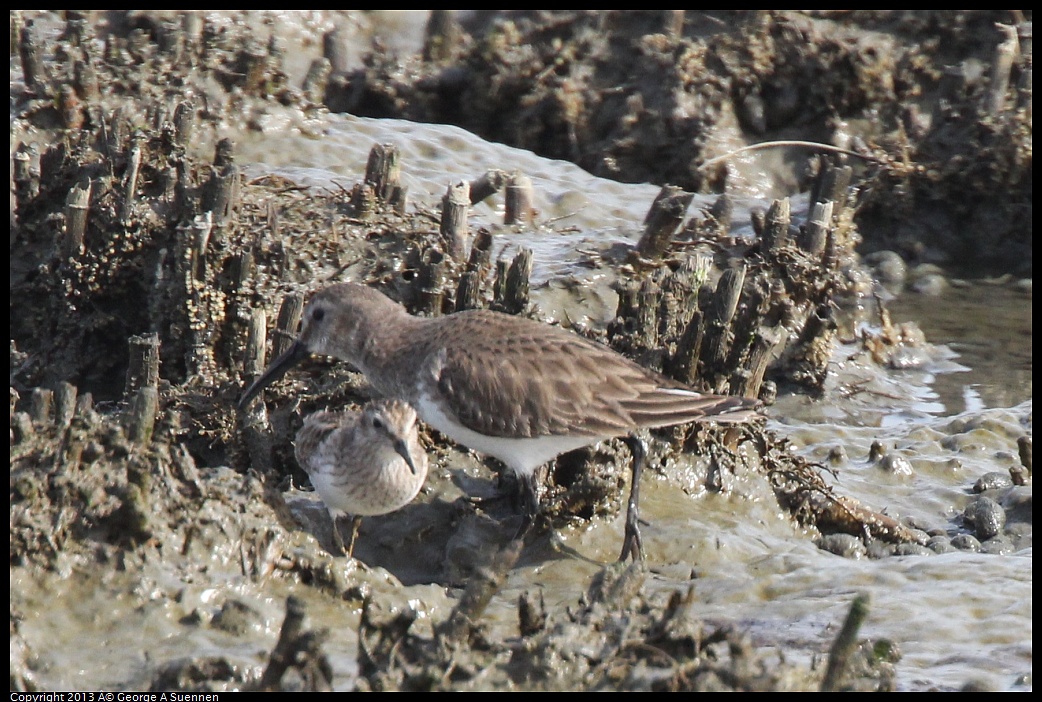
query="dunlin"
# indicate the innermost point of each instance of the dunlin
(506, 386)
(363, 463)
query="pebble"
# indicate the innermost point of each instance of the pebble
(842, 545)
(987, 517)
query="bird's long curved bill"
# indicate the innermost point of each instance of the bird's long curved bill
(278, 368)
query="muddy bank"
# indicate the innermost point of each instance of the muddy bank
(146, 281)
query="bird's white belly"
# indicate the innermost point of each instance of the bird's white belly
(382, 491)
(522, 456)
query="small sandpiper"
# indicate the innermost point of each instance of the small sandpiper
(510, 387)
(363, 463)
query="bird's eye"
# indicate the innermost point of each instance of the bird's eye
(378, 423)
(317, 314)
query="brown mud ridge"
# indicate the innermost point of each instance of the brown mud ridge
(143, 284)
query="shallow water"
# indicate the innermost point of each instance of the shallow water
(988, 326)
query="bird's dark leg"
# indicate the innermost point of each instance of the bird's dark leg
(528, 499)
(632, 544)
(524, 499)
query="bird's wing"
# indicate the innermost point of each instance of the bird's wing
(509, 376)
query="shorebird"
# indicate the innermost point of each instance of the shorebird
(362, 463)
(510, 387)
